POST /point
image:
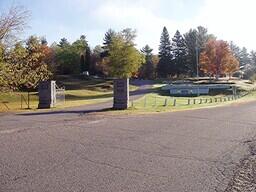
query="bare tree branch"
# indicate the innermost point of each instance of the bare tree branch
(12, 23)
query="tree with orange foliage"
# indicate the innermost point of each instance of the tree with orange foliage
(217, 59)
(49, 57)
(232, 65)
(207, 57)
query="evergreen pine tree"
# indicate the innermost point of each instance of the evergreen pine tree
(190, 40)
(165, 67)
(82, 63)
(63, 43)
(107, 41)
(244, 57)
(179, 52)
(235, 50)
(195, 38)
(253, 58)
(241, 54)
(147, 69)
(87, 58)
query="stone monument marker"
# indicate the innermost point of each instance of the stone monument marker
(121, 94)
(47, 94)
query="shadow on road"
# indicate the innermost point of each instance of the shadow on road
(67, 112)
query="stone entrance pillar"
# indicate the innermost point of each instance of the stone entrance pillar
(47, 94)
(121, 94)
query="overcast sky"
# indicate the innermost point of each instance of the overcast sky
(54, 19)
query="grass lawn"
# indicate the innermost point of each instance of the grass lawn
(160, 101)
(72, 98)
(155, 103)
(78, 92)
(81, 92)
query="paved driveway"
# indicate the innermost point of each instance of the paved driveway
(71, 151)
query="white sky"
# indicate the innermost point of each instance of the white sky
(54, 19)
(227, 19)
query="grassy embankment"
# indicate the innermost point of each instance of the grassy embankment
(160, 101)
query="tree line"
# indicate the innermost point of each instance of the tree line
(23, 63)
(199, 52)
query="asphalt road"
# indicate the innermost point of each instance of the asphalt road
(73, 151)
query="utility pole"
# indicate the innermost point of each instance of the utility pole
(197, 64)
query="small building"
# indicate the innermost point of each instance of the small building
(192, 89)
(188, 90)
